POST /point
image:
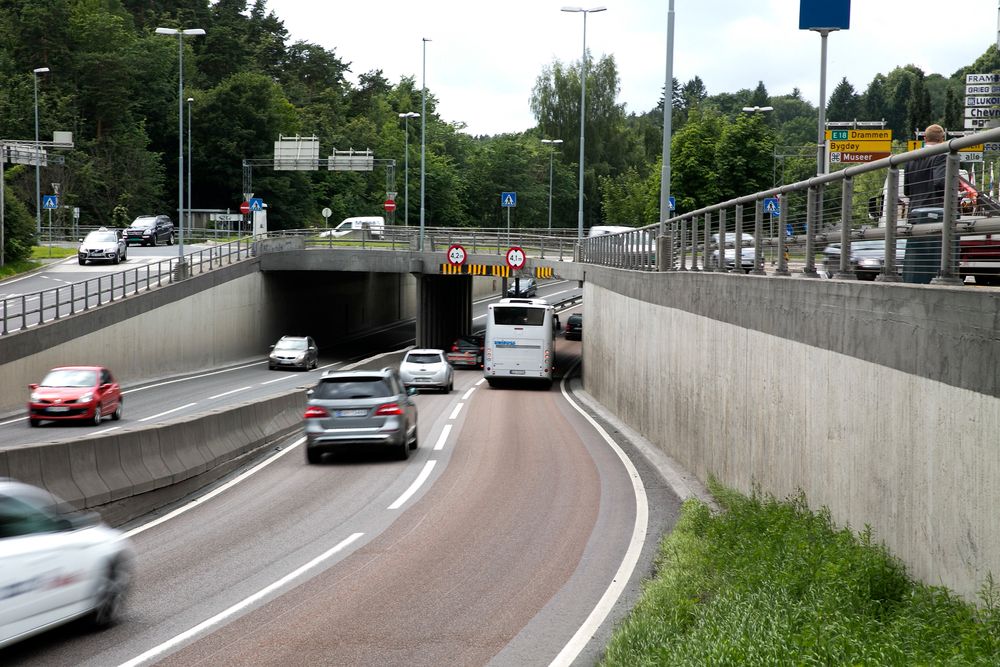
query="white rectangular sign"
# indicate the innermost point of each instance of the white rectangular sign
(971, 157)
(992, 148)
(978, 101)
(978, 123)
(227, 217)
(983, 89)
(982, 112)
(982, 78)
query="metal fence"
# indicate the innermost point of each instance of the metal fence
(34, 308)
(857, 223)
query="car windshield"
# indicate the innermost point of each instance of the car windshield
(423, 358)
(576, 319)
(291, 344)
(68, 377)
(101, 237)
(143, 222)
(347, 388)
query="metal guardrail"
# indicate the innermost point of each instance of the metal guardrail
(944, 244)
(32, 309)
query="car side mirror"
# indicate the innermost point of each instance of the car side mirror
(309, 393)
(271, 347)
(411, 391)
(104, 387)
(33, 386)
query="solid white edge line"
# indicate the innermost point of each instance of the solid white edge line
(421, 478)
(458, 408)
(214, 492)
(607, 602)
(106, 430)
(445, 432)
(227, 393)
(239, 606)
(181, 407)
(465, 396)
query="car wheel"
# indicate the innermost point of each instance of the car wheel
(117, 414)
(34, 422)
(315, 364)
(96, 420)
(170, 239)
(313, 456)
(416, 440)
(403, 450)
(153, 241)
(491, 382)
(110, 596)
(270, 367)
(116, 259)
(82, 261)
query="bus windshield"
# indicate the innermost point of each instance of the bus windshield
(518, 316)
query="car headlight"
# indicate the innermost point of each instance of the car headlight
(86, 398)
(34, 397)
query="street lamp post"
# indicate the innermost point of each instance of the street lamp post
(552, 149)
(38, 157)
(190, 164)
(406, 165)
(180, 134)
(583, 99)
(423, 144)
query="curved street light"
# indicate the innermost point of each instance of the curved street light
(180, 135)
(583, 99)
(552, 148)
(406, 165)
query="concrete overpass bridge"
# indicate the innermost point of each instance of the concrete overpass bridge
(880, 400)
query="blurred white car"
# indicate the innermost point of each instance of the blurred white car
(427, 369)
(57, 564)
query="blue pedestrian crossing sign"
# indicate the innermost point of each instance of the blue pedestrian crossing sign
(50, 201)
(508, 199)
(772, 205)
(672, 202)
(256, 204)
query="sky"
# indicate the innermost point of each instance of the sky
(483, 59)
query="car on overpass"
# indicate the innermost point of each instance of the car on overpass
(75, 393)
(867, 258)
(57, 564)
(360, 409)
(150, 230)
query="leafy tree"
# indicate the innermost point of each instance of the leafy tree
(918, 106)
(19, 225)
(692, 167)
(873, 101)
(843, 104)
(744, 157)
(953, 109)
(630, 199)
(760, 98)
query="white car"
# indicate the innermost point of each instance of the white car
(427, 369)
(102, 245)
(57, 564)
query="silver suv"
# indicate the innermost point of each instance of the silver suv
(362, 409)
(103, 245)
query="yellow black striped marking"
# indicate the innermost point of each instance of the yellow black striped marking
(543, 272)
(501, 271)
(472, 270)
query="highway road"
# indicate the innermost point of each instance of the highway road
(514, 533)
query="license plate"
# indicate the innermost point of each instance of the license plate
(59, 409)
(351, 413)
(517, 372)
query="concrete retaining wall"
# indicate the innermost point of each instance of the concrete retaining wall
(890, 434)
(114, 471)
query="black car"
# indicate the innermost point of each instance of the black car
(527, 286)
(150, 230)
(574, 327)
(467, 351)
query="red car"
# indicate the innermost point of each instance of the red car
(83, 393)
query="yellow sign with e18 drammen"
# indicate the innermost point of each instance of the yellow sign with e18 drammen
(859, 135)
(860, 146)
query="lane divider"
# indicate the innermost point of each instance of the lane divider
(454, 413)
(421, 478)
(443, 437)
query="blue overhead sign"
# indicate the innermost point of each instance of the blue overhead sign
(508, 199)
(50, 201)
(772, 205)
(672, 202)
(256, 204)
(824, 14)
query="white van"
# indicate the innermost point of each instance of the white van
(373, 224)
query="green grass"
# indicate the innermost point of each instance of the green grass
(770, 582)
(14, 268)
(46, 252)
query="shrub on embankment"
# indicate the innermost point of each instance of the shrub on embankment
(770, 582)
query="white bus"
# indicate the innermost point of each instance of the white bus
(519, 341)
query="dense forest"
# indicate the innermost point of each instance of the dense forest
(112, 82)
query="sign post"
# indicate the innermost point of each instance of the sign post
(508, 200)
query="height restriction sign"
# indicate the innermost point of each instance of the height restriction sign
(515, 258)
(456, 255)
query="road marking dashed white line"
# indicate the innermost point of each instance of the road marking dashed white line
(239, 606)
(468, 393)
(227, 393)
(443, 437)
(106, 430)
(421, 478)
(162, 414)
(481, 380)
(458, 408)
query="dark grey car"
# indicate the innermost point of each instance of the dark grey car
(360, 409)
(528, 287)
(867, 258)
(150, 230)
(294, 352)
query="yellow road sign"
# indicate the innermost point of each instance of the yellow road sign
(914, 145)
(859, 135)
(860, 146)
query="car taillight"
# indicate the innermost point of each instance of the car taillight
(454, 347)
(389, 409)
(315, 412)
(567, 327)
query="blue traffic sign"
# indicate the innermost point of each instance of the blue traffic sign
(772, 205)
(508, 199)
(50, 201)
(672, 202)
(256, 204)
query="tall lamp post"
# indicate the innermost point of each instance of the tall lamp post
(180, 133)
(38, 157)
(552, 149)
(190, 164)
(423, 144)
(406, 165)
(583, 99)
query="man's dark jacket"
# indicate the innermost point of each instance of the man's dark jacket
(924, 182)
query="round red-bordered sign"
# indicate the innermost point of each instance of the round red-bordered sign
(516, 258)
(457, 255)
